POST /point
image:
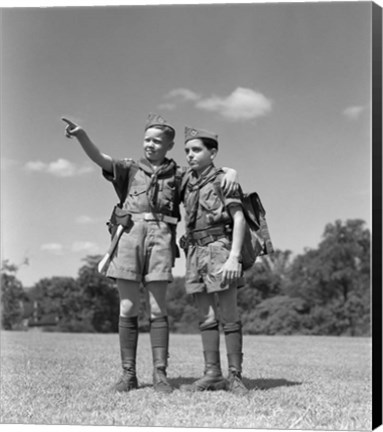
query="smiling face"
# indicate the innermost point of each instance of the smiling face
(156, 145)
(198, 156)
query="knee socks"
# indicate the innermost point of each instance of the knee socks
(159, 332)
(210, 336)
(233, 337)
(128, 334)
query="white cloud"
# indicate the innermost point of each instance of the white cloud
(85, 246)
(59, 168)
(54, 248)
(241, 104)
(35, 166)
(353, 112)
(183, 94)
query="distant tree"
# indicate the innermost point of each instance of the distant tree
(59, 299)
(266, 279)
(12, 296)
(181, 310)
(335, 279)
(268, 275)
(100, 297)
(276, 315)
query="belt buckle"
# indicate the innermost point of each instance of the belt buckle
(149, 217)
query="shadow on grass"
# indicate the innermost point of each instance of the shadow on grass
(268, 383)
(251, 384)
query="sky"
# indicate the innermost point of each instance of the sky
(286, 86)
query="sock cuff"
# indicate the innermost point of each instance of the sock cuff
(232, 327)
(159, 322)
(212, 325)
(128, 322)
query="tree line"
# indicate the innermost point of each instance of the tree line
(323, 291)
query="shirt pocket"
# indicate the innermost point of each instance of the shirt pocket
(137, 189)
(137, 201)
(210, 201)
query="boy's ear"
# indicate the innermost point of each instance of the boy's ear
(171, 145)
(213, 153)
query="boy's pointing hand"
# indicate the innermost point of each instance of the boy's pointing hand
(72, 129)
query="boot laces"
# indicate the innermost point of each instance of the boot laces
(161, 376)
(236, 384)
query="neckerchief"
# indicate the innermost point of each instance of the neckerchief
(194, 186)
(165, 170)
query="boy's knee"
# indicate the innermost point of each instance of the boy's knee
(128, 308)
(157, 305)
(157, 314)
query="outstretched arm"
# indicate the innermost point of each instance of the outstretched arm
(93, 152)
(232, 269)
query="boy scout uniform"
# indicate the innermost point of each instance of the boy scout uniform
(149, 207)
(145, 251)
(207, 231)
(207, 244)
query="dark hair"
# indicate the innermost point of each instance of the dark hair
(168, 131)
(209, 143)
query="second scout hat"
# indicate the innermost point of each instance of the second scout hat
(193, 133)
(157, 120)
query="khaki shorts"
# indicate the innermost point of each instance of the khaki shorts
(203, 264)
(144, 254)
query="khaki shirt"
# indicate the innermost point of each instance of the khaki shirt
(212, 203)
(137, 199)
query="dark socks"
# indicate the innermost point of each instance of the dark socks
(233, 337)
(210, 336)
(128, 334)
(159, 332)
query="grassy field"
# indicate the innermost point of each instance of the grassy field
(296, 383)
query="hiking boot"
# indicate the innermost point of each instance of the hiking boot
(235, 384)
(128, 336)
(160, 362)
(212, 379)
(207, 382)
(160, 382)
(126, 383)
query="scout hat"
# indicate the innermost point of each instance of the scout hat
(157, 120)
(193, 133)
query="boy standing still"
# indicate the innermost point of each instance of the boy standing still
(215, 227)
(146, 249)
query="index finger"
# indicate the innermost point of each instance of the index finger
(70, 123)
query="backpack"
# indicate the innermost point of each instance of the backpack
(257, 241)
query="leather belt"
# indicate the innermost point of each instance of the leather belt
(204, 237)
(154, 217)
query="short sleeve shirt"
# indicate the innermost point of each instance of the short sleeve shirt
(213, 205)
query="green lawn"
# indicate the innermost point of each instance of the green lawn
(296, 382)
